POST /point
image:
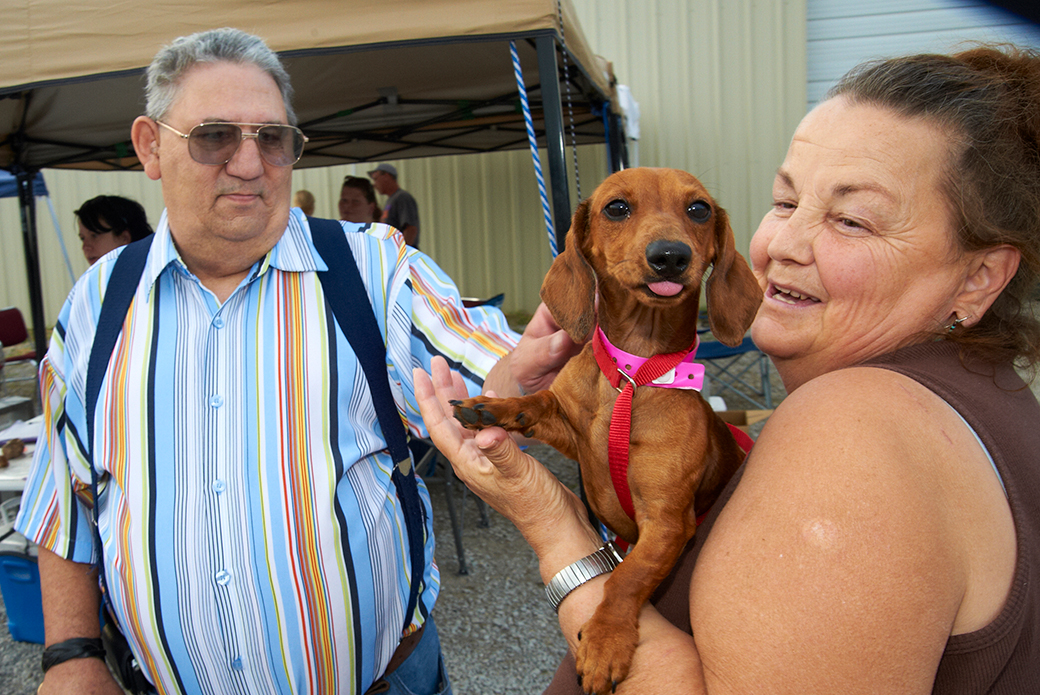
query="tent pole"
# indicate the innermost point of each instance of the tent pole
(552, 109)
(27, 207)
(616, 141)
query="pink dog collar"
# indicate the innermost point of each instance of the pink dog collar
(687, 375)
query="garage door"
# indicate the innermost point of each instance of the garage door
(844, 33)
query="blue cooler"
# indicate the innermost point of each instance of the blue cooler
(20, 586)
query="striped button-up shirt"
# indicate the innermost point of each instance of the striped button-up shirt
(253, 541)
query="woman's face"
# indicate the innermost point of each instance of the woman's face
(856, 257)
(354, 207)
(97, 245)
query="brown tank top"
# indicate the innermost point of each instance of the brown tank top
(1002, 658)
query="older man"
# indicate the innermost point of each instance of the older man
(400, 210)
(251, 537)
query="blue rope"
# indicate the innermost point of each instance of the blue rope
(533, 140)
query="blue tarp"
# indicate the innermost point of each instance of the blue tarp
(9, 186)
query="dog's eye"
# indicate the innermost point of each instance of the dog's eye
(699, 211)
(617, 210)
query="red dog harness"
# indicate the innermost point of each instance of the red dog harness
(671, 370)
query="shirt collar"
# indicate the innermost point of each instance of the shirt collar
(294, 251)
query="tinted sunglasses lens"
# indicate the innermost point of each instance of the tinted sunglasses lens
(214, 143)
(280, 145)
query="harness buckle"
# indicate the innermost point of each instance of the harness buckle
(619, 388)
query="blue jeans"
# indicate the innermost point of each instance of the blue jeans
(423, 672)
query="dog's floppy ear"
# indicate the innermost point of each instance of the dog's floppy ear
(569, 288)
(732, 291)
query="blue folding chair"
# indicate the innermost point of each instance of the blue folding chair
(725, 368)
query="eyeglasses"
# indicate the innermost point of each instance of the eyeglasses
(214, 144)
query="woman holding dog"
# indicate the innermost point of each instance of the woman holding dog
(884, 533)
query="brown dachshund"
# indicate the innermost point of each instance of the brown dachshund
(643, 241)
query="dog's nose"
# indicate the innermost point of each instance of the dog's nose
(668, 258)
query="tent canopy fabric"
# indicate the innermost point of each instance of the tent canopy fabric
(373, 79)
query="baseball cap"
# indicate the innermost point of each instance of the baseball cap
(388, 168)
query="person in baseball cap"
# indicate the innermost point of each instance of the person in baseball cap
(400, 210)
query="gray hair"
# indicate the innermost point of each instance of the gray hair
(172, 62)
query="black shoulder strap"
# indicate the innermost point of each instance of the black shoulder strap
(348, 298)
(346, 294)
(122, 285)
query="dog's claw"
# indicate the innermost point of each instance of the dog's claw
(579, 680)
(521, 419)
(454, 402)
(613, 686)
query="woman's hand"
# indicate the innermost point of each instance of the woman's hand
(542, 352)
(555, 523)
(489, 462)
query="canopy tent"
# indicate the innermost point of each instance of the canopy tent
(9, 188)
(9, 185)
(373, 79)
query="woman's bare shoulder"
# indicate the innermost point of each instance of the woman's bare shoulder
(829, 561)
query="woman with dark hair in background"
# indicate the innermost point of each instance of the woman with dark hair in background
(357, 201)
(108, 222)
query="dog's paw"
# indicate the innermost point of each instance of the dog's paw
(604, 656)
(481, 412)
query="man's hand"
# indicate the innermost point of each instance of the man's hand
(80, 677)
(543, 350)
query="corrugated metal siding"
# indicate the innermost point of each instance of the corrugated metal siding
(844, 33)
(721, 86)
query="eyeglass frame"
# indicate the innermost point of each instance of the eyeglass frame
(244, 134)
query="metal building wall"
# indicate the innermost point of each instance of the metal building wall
(720, 84)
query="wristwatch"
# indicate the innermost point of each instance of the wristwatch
(577, 573)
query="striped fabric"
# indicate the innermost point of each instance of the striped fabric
(253, 541)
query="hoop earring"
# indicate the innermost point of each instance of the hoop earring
(956, 322)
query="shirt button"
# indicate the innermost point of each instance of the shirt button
(218, 322)
(219, 486)
(216, 401)
(237, 663)
(223, 577)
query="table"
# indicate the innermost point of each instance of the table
(12, 478)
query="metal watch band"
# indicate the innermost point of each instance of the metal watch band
(577, 573)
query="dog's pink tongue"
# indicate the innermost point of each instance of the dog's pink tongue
(665, 289)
